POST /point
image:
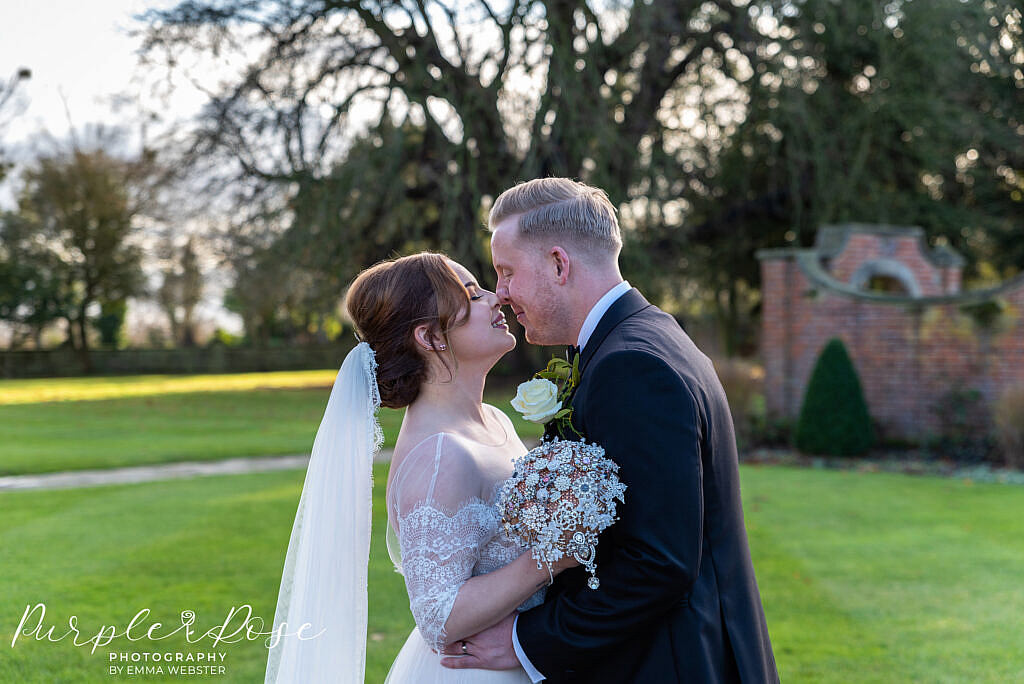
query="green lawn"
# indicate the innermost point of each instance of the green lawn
(158, 419)
(205, 545)
(879, 577)
(865, 576)
(36, 390)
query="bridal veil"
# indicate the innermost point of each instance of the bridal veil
(323, 585)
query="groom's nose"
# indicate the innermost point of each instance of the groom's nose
(502, 291)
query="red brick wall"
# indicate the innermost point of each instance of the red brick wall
(907, 357)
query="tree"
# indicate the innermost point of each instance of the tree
(79, 209)
(834, 417)
(364, 128)
(8, 91)
(904, 113)
(32, 284)
(110, 321)
(905, 126)
(180, 294)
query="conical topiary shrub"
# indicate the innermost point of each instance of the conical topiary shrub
(834, 419)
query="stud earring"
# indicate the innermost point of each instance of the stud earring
(442, 347)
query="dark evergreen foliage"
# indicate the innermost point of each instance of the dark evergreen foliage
(834, 419)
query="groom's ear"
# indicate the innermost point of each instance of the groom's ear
(562, 264)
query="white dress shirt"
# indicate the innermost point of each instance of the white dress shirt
(599, 310)
(589, 325)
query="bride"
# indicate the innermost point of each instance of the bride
(430, 334)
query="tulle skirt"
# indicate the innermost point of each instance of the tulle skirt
(417, 664)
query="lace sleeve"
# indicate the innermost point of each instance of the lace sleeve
(441, 524)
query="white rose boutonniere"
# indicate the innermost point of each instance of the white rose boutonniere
(537, 400)
(542, 399)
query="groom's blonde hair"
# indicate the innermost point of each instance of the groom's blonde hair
(561, 208)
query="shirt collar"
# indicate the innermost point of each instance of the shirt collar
(599, 310)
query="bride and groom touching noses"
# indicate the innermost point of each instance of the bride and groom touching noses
(678, 599)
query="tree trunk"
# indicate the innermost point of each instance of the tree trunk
(70, 341)
(83, 349)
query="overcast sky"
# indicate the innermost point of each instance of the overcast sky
(81, 50)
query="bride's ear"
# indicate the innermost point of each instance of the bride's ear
(427, 340)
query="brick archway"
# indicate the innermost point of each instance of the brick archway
(888, 268)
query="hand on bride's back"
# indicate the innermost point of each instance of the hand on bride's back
(489, 649)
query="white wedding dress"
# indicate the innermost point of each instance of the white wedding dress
(444, 527)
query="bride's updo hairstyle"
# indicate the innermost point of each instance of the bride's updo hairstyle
(388, 300)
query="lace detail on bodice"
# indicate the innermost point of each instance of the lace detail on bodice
(446, 530)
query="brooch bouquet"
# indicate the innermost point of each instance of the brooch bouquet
(562, 494)
(560, 497)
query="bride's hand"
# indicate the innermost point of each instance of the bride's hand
(565, 563)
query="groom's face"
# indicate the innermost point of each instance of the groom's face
(527, 283)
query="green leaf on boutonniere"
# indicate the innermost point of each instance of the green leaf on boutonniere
(565, 376)
(559, 368)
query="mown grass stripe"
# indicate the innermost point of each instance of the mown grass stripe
(35, 391)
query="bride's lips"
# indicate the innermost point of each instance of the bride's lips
(499, 322)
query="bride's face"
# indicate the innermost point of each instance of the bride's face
(483, 335)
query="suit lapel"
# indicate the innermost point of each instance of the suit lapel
(623, 307)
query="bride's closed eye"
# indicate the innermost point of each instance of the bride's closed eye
(472, 287)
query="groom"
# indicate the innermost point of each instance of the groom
(678, 600)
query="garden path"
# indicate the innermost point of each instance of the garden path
(162, 471)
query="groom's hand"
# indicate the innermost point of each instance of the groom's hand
(490, 649)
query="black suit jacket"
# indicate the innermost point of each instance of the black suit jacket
(678, 600)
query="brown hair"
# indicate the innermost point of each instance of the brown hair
(388, 300)
(561, 208)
